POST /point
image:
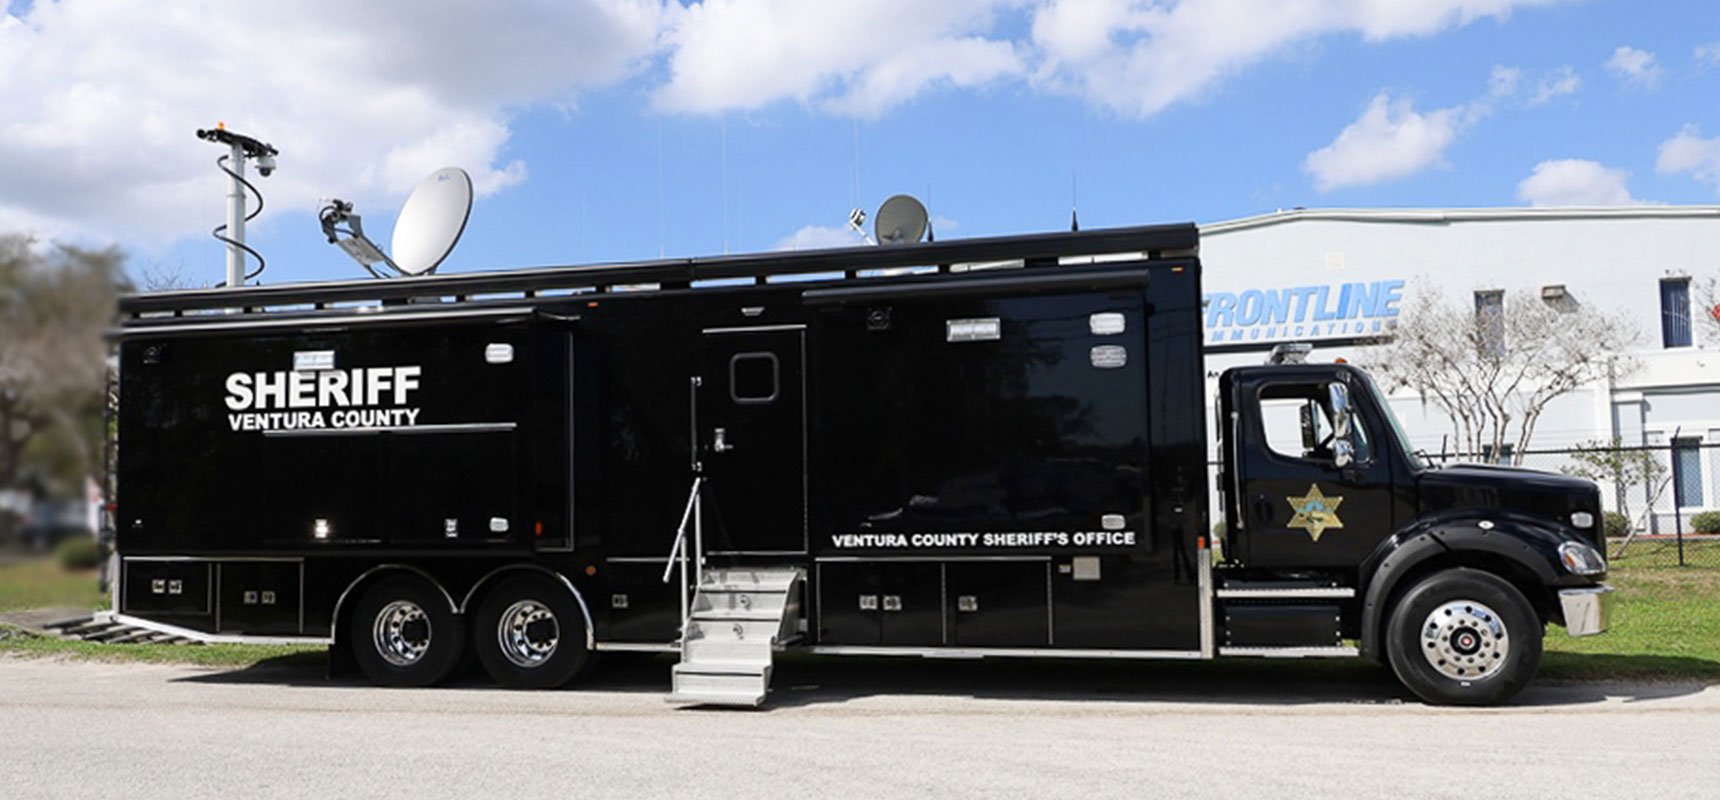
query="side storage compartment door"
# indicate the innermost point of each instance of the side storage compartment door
(640, 607)
(912, 604)
(888, 604)
(999, 604)
(260, 598)
(848, 598)
(174, 592)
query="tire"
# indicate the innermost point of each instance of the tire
(530, 634)
(1464, 637)
(403, 634)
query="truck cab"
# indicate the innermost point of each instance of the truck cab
(1449, 573)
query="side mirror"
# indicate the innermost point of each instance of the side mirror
(1343, 449)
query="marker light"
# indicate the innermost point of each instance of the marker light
(1582, 519)
(320, 529)
(1581, 559)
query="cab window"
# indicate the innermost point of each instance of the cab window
(1297, 421)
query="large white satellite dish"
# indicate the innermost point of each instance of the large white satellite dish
(901, 220)
(432, 221)
(429, 225)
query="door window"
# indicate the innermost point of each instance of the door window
(753, 378)
(1297, 421)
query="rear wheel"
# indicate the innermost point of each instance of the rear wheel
(1464, 637)
(530, 634)
(403, 633)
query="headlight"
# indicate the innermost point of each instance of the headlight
(1581, 559)
(1582, 519)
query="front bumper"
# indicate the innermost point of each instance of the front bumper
(1587, 610)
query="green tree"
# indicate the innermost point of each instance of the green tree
(56, 303)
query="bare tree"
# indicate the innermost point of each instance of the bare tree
(1494, 369)
(1707, 303)
(56, 303)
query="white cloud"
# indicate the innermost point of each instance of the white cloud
(102, 98)
(1688, 152)
(1707, 55)
(1132, 57)
(1558, 83)
(1575, 182)
(818, 237)
(858, 57)
(1503, 81)
(1638, 68)
(1137, 57)
(1390, 140)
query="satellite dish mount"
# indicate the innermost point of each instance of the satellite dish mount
(429, 226)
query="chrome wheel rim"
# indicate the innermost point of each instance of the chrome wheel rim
(402, 633)
(1465, 641)
(528, 634)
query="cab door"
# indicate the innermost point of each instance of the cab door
(1294, 500)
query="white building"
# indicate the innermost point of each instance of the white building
(1339, 277)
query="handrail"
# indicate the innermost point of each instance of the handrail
(681, 531)
(678, 553)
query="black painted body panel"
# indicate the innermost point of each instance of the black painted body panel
(1030, 446)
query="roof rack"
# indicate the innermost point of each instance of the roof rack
(1046, 249)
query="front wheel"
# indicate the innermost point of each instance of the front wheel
(1464, 637)
(530, 634)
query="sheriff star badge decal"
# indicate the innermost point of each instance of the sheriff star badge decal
(1315, 512)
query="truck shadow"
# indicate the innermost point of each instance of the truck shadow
(805, 680)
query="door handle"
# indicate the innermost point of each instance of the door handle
(1262, 510)
(720, 441)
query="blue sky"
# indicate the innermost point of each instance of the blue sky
(993, 111)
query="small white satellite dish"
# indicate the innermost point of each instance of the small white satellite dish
(901, 220)
(432, 220)
(429, 225)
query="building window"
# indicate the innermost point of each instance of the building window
(1687, 472)
(1675, 312)
(1490, 322)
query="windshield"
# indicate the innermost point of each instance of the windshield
(1392, 424)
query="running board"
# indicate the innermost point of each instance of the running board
(1290, 652)
(1320, 593)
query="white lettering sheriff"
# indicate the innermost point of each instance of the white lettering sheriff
(300, 400)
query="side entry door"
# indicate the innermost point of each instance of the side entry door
(1305, 496)
(752, 439)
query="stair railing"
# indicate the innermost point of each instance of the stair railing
(678, 554)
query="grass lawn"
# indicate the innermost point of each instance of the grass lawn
(41, 583)
(1667, 627)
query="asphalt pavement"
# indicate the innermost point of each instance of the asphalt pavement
(872, 728)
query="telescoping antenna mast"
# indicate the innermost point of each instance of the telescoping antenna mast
(240, 148)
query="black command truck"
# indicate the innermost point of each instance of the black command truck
(987, 447)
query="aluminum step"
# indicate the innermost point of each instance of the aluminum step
(765, 630)
(738, 618)
(703, 650)
(732, 579)
(714, 598)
